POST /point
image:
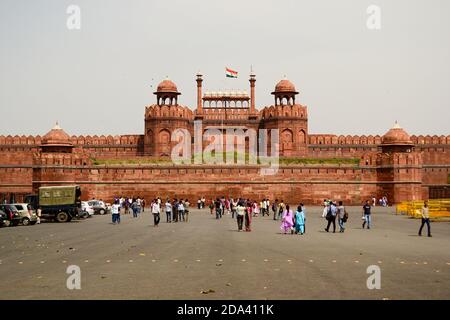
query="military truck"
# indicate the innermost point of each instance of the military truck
(59, 203)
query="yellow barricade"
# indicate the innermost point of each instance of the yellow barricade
(438, 208)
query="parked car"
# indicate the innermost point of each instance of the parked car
(85, 207)
(27, 214)
(12, 215)
(98, 206)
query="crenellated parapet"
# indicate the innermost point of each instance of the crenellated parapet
(112, 141)
(284, 111)
(335, 140)
(168, 111)
(19, 140)
(431, 140)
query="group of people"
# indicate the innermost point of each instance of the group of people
(383, 201)
(176, 210)
(244, 210)
(201, 202)
(293, 223)
(222, 206)
(123, 205)
(332, 211)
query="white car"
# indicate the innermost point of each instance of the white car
(88, 208)
(98, 206)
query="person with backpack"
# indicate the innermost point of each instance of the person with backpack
(343, 216)
(331, 217)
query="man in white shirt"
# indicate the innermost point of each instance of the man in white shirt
(240, 212)
(155, 212)
(168, 211)
(115, 213)
(180, 211)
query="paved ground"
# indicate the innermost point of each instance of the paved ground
(134, 260)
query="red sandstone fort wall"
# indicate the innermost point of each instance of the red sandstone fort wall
(309, 184)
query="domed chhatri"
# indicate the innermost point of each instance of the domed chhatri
(284, 93)
(167, 93)
(396, 136)
(57, 137)
(167, 86)
(56, 141)
(285, 86)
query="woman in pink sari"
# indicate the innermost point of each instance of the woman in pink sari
(287, 220)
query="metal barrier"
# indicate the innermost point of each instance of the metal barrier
(439, 208)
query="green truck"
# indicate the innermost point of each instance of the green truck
(59, 203)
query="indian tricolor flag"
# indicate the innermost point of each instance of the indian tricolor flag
(231, 73)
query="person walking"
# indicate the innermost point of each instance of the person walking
(275, 209)
(367, 215)
(181, 211)
(155, 212)
(134, 208)
(248, 217)
(175, 210)
(240, 213)
(281, 209)
(331, 217)
(287, 221)
(211, 206)
(186, 209)
(304, 214)
(203, 201)
(115, 212)
(139, 206)
(122, 211)
(300, 220)
(233, 204)
(218, 205)
(168, 206)
(343, 216)
(425, 219)
(326, 206)
(256, 209)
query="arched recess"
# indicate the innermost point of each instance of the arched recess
(302, 136)
(287, 139)
(164, 142)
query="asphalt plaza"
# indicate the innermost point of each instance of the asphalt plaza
(207, 258)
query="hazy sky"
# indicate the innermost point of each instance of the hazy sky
(99, 79)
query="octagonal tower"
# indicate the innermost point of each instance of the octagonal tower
(163, 118)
